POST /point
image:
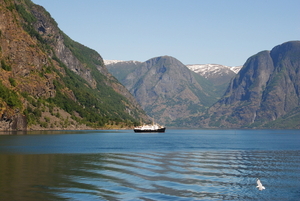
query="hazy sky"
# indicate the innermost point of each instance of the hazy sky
(224, 32)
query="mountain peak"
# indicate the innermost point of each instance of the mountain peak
(203, 69)
(216, 73)
(109, 62)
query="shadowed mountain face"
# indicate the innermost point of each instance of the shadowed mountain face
(265, 93)
(168, 91)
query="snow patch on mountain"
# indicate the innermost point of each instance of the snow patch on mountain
(208, 70)
(236, 69)
(108, 62)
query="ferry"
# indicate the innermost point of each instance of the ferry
(154, 128)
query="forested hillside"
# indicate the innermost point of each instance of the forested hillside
(49, 81)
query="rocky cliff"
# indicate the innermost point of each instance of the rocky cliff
(47, 78)
(265, 93)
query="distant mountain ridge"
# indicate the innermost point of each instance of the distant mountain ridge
(263, 93)
(216, 73)
(109, 62)
(216, 68)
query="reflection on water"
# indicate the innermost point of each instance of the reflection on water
(197, 175)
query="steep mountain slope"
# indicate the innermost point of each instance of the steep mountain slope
(168, 91)
(52, 82)
(265, 93)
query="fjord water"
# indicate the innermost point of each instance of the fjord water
(176, 165)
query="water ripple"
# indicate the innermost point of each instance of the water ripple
(227, 175)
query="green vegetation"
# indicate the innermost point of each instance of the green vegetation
(33, 111)
(10, 97)
(99, 105)
(32, 115)
(28, 17)
(288, 121)
(214, 121)
(275, 80)
(93, 102)
(231, 119)
(29, 20)
(195, 108)
(212, 94)
(12, 81)
(4, 66)
(82, 53)
(96, 106)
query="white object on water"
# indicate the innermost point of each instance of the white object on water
(259, 185)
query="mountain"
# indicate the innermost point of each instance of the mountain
(264, 94)
(166, 89)
(49, 81)
(216, 73)
(108, 62)
(120, 69)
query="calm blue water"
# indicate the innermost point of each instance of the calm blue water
(176, 165)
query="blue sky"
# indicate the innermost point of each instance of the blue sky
(224, 32)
